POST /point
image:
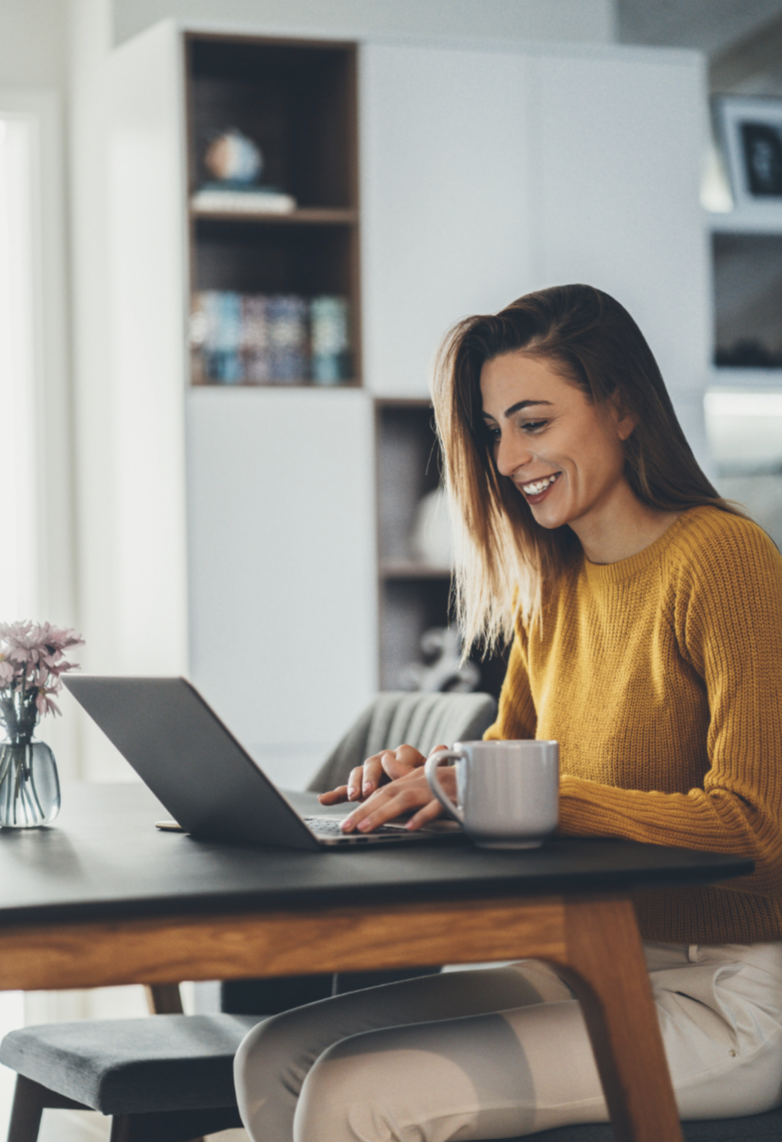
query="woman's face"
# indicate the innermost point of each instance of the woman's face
(563, 453)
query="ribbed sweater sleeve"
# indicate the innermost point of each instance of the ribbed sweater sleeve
(724, 605)
(661, 678)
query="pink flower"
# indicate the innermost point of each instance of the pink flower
(31, 659)
(44, 703)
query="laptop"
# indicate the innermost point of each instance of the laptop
(207, 780)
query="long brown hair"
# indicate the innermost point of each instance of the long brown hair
(502, 554)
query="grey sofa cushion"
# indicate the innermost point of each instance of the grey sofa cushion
(395, 717)
(757, 1128)
(129, 1066)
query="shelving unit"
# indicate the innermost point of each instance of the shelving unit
(747, 276)
(296, 99)
(413, 596)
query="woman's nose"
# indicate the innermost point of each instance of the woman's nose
(512, 453)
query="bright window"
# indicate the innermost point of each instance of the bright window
(18, 468)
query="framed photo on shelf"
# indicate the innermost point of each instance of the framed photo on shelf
(750, 130)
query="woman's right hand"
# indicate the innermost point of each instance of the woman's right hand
(376, 771)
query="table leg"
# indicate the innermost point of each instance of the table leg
(604, 964)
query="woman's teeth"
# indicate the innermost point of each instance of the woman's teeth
(538, 486)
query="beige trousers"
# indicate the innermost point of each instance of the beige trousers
(503, 1052)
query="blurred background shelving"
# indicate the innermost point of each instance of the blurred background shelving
(296, 100)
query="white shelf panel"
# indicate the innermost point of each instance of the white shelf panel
(728, 378)
(763, 221)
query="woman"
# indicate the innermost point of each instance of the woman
(646, 621)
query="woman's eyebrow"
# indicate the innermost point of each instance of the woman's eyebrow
(522, 404)
(515, 408)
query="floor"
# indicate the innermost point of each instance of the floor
(87, 1126)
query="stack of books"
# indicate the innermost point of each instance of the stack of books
(260, 339)
(229, 197)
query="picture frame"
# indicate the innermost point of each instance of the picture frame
(749, 129)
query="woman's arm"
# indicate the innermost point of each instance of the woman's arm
(727, 621)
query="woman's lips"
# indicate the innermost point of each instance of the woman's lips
(530, 488)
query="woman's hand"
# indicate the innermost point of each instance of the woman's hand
(409, 793)
(389, 765)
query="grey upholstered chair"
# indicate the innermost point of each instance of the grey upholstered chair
(170, 1078)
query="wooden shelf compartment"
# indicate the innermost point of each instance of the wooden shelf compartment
(307, 216)
(748, 302)
(410, 569)
(295, 98)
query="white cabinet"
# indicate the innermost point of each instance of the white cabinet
(446, 206)
(281, 562)
(619, 156)
(486, 174)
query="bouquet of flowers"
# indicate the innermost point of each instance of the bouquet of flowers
(31, 663)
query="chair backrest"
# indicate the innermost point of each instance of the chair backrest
(394, 718)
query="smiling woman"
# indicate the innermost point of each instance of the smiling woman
(645, 620)
(580, 350)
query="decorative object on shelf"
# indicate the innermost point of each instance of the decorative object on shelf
(233, 158)
(330, 340)
(431, 540)
(256, 339)
(213, 198)
(31, 664)
(236, 164)
(442, 670)
(751, 136)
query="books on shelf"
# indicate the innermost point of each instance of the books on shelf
(259, 339)
(235, 198)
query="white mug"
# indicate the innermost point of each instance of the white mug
(508, 791)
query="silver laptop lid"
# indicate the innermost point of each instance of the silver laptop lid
(190, 760)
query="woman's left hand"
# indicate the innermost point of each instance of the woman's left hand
(405, 795)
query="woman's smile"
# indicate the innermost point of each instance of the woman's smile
(535, 490)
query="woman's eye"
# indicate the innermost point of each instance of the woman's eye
(492, 434)
(534, 425)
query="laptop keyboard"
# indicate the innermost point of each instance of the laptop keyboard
(328, 827)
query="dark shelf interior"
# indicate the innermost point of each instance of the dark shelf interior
(412, 600)
(250, 258)
(295, 100)
(748, 299)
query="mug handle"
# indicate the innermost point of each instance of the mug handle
(433, 763)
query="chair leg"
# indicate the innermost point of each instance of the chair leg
(28, 1106)
(173, 1125)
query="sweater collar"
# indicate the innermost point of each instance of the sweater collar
(624, 569)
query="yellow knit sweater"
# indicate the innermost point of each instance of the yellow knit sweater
(661, 678)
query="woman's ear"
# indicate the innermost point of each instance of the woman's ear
(624, 420)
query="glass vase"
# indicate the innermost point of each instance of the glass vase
(29, 785)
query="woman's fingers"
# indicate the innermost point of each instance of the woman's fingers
(374, 774)
(354, 783)
(334, 796)
(424, 816)
(405, 795)
(399, 762)
(380, 769)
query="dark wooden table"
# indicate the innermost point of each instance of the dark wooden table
(103, 898)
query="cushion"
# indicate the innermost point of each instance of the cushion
(422, 719)
(130, 1066)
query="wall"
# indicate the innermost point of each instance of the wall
(32, 43)
(581, 21)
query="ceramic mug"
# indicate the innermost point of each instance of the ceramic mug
(508, 791)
